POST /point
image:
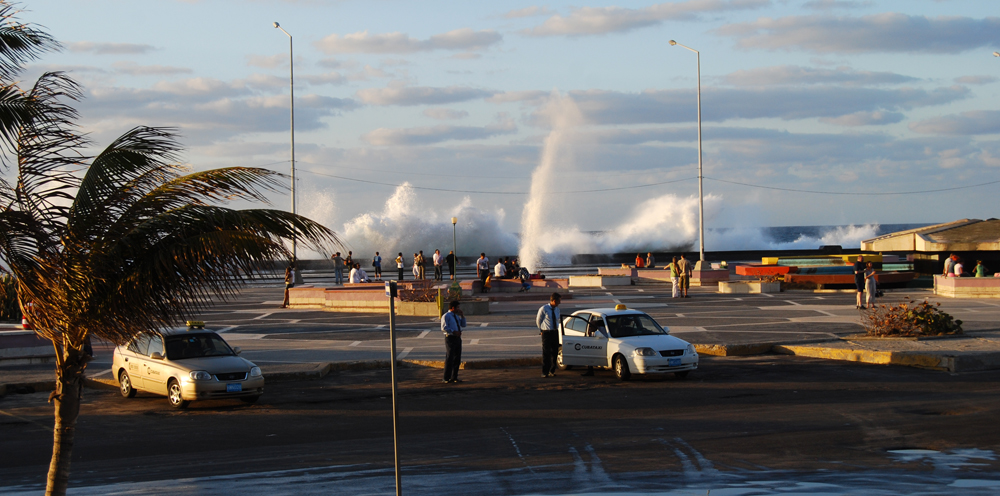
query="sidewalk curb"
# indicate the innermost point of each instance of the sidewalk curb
(934, 361)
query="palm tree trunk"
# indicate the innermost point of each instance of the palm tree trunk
(69, 390)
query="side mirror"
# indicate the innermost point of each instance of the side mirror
(237, 350)
(156, 355)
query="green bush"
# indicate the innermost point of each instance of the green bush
(910, 319)
(9, 309)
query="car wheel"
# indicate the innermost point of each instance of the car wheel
(250, 399)
(559, 360)
(125, 385)
(681, 375)
(621, 368)
(174, 395)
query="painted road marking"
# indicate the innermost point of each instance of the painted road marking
(294, 321)
(484, 324)
(355, 343)
(259, 317)
(380, 327)
(423, 334)
(790, 302)
(768, 295)
(226, 329)
(681, 315)
(402, 355)
(642, 290)
(474, 341)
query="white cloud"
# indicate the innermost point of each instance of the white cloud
(445, 114)
(420, 95)
(887, 33)
(584, 21)
(133, 69)
(834, 4)
(438, 134)
(791, 74)
(975, 79)
(362, 42)
(528, 12)
(966, 123)
(865, 118)
(109, 48)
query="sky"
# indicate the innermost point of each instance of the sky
(461, 103)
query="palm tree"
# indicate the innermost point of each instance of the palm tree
(122, 243)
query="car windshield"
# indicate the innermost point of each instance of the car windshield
(196, 346)
(623, 326)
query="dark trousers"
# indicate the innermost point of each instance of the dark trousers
(452, 357)
(378, 271)
(437, 272)
(400, 273)
(451, 270)
(483, 274)
(550, 351)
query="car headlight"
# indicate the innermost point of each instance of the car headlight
(690, 350)
(200, 375)
(255, 372)
(645, 352)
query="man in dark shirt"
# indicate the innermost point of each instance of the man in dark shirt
(450, 259)
(859, 277)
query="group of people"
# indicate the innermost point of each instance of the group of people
(953, 267)
(680, 275)
(547, 321)
(866, 282)
(505, 268)
(358, 275)
(645, 263)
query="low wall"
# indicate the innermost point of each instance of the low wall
(709, 277)
(967, 287)
(16, 344)
(598, 281)
(470, 287)
(370, 298)
(631, 272)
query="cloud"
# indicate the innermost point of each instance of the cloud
(445, 114)
(420, 95)
(584, 21)
(268, 61)
(527, 12)
(332, 78)
(975, 80)
(878, 33)
(533, 97)
(791, 74)
(865, 118)
(966, 123)
(834, 4)
(437, 134)
(133, 69)
(109, 48)
(460, 39)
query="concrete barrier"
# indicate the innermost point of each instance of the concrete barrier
(967, 287)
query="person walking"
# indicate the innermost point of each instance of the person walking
(859, 278)
(650, 261)
(482, 270)
(685, 275)
(870, 284)
(452, 323)
(437, 259)
(338, 268)
(548, 320)
(399, 265)
(377, 264)
(675, 276)
(289, 284)
(451, 259)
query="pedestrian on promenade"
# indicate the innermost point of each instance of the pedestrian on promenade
(979, 269)
(355, 277)
(524, 276)
(548, 320)
(482, 270)
(420, 264)
(437, 265)
(685, 275)
(416, 267)
(451, 259)
(870, 283)
(377, 264)
(289, 284)
(949, 264)
(499, 271)
(675, 276)
(639, 263)
(959, 267)
(399, 265)
(859, 277)
(452, 323)
(650, 261)
(338, 268)
(349, 261)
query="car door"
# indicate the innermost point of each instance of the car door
(155, 377)
(594, 351)
(133, 359)
(574, 330)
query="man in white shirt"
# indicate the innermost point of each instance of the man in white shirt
(437, 265)
(499, 271)
(355, 276)
(548, 320)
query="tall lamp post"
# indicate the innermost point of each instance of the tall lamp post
(454, 241)
(701, 196)
(291, 98)
(996, 54)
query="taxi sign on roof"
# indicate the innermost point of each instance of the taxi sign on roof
(196, 324)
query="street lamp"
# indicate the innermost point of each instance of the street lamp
(454, 241)
(291, 98)
(996, 54)
(701, 196)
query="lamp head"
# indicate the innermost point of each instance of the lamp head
(276, 25)
(672, 42)
(996, 54)
(454, 220)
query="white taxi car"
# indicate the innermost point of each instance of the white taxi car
(627, 341)
(186, 364)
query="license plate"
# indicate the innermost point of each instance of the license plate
(674, 362)
(234, 388)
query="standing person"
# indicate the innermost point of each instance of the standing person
(451, 259)
(859, 277)
(870, 282)
(499, 271)
(289, 284)
(349, 261)
(650, 261)
(979, 270)
(452, 323)
(420, 264)
(548, 320)
(338, 268)
(482, 270)
(949, 264)
(675, 275)
(437, 259)
(959, 267)
(416, 267)
(377, 264)
(685, 275)
(638, 261)
(399, 265)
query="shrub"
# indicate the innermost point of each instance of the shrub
(9, 308)
(910, 319)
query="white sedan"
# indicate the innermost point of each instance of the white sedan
(627, 341)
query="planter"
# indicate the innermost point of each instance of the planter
(749, 287)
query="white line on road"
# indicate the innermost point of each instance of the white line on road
(226, 329)
(768, 295)
(737, 299)
(642, 290)
(474, 341)
(355, 343)
(602, 287)
(790, 302)
(824, 312)
(484, 324)
(402, 355)
(380, 327)
(259, 317)
(294, 321)
(681, 315)
(423, 334)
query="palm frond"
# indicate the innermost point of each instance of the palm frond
(20, 43)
